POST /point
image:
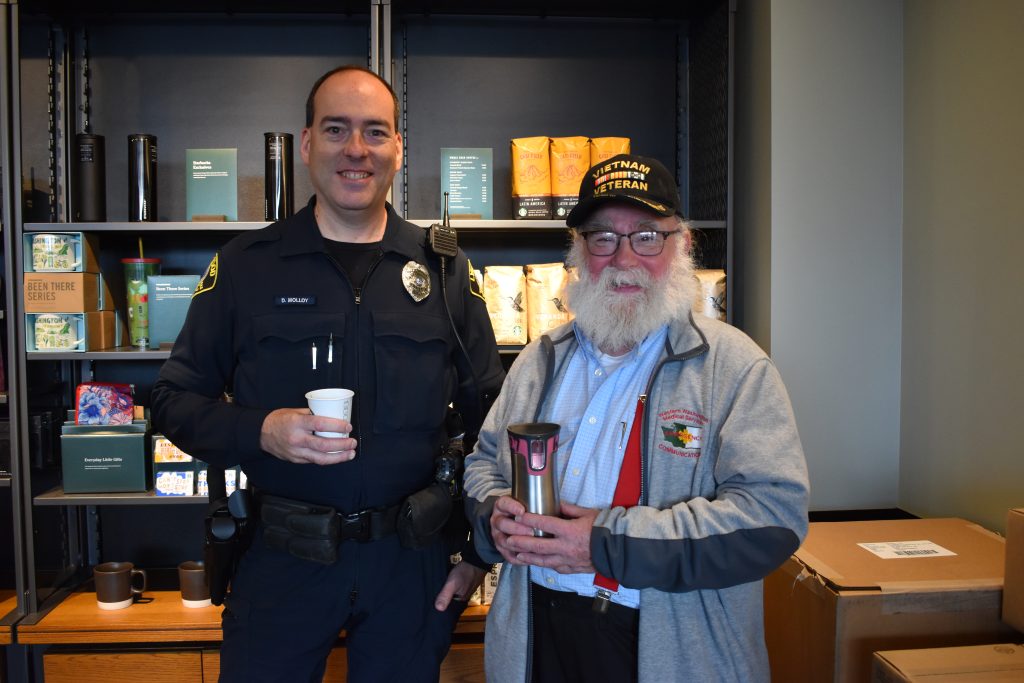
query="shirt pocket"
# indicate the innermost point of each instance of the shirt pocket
(415, 377)
(284, 343)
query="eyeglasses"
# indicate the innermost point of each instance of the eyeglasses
(643, 242)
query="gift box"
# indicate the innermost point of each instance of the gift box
(174, 471)
(56, 332)
(79, 250)
(105, 458)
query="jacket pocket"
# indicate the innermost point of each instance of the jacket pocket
(285, 349)
(415, 377)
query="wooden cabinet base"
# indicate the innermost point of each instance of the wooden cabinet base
(464, 664)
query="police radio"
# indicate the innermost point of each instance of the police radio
(443, 240)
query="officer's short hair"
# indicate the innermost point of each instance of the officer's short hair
(340, 69)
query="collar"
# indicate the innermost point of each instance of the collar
(301, 234)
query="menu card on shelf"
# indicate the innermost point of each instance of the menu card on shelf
(466, 175)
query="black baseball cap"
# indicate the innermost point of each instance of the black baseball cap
(642, 181)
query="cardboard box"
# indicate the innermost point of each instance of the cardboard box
(85, 245)
(66, 293)
(105, 459)
(835, 601)
(1013, 592)
(174, 471)
(999, 663)
(92, 331)
(169, 299)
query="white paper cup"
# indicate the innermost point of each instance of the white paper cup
(331, 403)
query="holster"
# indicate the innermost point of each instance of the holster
(304, 530)
(228, 533)
(423, 516)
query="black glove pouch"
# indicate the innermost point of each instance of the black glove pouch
(423, 515)
(309, 532)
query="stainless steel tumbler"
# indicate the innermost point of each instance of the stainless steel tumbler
(533, 446)
(278, 185)
(142, 178)
(89, 180)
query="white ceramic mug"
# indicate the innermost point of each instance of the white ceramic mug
(54, 252)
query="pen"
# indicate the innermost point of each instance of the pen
(314, 355)
(330, 349)
(622, 435)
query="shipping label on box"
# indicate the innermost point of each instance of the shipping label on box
(169, 299)
(66, 293)
(211, 184)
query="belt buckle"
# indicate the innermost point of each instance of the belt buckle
(355, 526)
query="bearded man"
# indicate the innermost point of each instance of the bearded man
(679, 468)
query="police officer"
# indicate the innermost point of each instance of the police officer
(342, 294)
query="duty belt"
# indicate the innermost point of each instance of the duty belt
(313, 532)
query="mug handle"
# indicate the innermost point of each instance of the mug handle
(138, 591)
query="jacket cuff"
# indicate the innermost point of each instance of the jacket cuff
(247, 434)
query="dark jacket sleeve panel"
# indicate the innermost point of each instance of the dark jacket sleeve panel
(681, 565)
(479, 514)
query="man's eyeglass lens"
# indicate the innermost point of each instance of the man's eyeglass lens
(643, 242)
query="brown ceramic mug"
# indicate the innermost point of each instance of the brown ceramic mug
(195, 588)
(115, 584)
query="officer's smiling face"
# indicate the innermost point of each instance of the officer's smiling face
(352, 149)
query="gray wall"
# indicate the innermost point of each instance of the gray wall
(963, 361)
(836, 96)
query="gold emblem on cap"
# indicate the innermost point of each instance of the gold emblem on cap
(416, 279)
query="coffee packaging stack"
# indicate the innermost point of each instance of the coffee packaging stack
(710, 300)
(545, 298)
(547, 172)
(68, 304)
(505, 295)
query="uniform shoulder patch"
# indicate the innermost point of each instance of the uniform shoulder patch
(209, 279)
(475, 285)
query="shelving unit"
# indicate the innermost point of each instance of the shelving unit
(470, 75)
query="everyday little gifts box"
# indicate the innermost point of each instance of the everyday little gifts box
(105, 458)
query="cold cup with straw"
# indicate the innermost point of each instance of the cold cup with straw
(533, 446)
(136, 270)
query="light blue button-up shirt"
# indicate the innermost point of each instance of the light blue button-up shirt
(595, 405)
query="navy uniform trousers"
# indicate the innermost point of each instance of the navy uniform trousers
(284, 614)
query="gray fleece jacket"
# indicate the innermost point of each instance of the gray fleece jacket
(723, 502)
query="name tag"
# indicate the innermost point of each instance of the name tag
(295, 300)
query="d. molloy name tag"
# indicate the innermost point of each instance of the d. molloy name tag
(297, 300)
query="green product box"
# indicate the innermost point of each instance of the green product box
(105, 459)
(211, 184)
(169, 298)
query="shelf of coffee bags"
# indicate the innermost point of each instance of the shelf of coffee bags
(56, 496)
(149, 226)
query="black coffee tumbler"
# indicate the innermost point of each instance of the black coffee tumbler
(278, 189)
(142, 178)
(90, 179)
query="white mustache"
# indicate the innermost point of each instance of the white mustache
(634, 277)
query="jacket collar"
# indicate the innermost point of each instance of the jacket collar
(301, 235)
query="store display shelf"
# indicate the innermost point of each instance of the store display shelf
(155, 226)
(56, 496)
(117, 353)
(5, 481)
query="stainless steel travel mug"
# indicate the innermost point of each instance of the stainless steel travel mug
(533, 446)
(278, 188)
(142, 178)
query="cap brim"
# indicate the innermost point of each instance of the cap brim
(583, 209)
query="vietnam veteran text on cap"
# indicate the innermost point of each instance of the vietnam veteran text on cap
(642, 181)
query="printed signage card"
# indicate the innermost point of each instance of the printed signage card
(211, 184)
(169, 298)
(466, 175)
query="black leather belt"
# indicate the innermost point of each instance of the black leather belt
(580, 604)
(313, 532)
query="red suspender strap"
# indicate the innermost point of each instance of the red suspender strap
(627, 490)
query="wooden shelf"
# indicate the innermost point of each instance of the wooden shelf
(162, 620)
(78, 620)
(8, 603)
(56, 496)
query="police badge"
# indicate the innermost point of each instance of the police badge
(416, 280)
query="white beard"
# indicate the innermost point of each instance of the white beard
(617, 322)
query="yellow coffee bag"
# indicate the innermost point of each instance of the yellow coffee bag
(531, 178)
(602, 149)
(570, 159)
